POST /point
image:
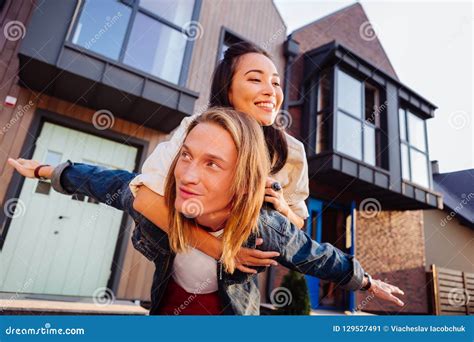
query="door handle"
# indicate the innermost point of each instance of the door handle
(62, 217)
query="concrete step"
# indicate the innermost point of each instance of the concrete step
(56, 307)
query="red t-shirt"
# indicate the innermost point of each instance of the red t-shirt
(176, 301)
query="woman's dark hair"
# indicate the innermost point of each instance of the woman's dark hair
(221, 82)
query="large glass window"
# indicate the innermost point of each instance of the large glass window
(155, 48)
(358, 132)
(349, 138)
(349, 95)
(101, 27)
(178, 12)
(414, 153)
(149, 35)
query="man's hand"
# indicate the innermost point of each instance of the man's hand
(26, 167)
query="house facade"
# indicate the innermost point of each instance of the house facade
(369, 167)
(105, 82)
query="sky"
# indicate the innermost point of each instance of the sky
(430, 45)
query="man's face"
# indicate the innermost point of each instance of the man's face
(204, 171)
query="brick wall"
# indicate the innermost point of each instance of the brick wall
(391, 247)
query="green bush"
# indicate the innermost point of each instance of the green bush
(292, 297)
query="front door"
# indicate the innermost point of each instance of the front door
(58, 244)
(334, 224)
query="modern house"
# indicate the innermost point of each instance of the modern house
(105, 81)
(369, 168)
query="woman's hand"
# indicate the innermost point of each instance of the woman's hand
(254, 257)
(26, 167)
(386, 291)
(279, 203)
(276, 198)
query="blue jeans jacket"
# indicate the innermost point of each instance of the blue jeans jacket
(238, 292)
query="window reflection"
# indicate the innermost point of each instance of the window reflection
(419, 167)
(358, 135)
(405, 162)
(149, 36)
(402, 124)
(349, 94)
(178, 12)
(101, 27)
(155, 48)
(414, 154)
(416, 131)
(348, 135)
(369, 144)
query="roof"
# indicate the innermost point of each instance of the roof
(327, 16)
(354, 59)
(458, 193)
(355, 9)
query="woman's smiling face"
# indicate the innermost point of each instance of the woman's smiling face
(255, 88)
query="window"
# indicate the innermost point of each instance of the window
(358, 119)
(323, 110)
(414, 153)
(227, 41)
(155, 48)
(349, 138)
(148, 35)
(178, 12)
(101, 27)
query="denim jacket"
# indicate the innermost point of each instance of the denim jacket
(238, 292)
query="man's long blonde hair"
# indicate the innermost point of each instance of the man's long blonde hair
(248, 187)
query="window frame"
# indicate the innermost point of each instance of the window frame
(224, 35)
(135, 9)
(406, 109)
(324, 112)
(377, 126)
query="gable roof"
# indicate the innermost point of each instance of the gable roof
(351, 20)
(458, 193)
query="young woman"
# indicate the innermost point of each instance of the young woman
(221, 165)
(247, 80)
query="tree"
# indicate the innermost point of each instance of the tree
(292, 297)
